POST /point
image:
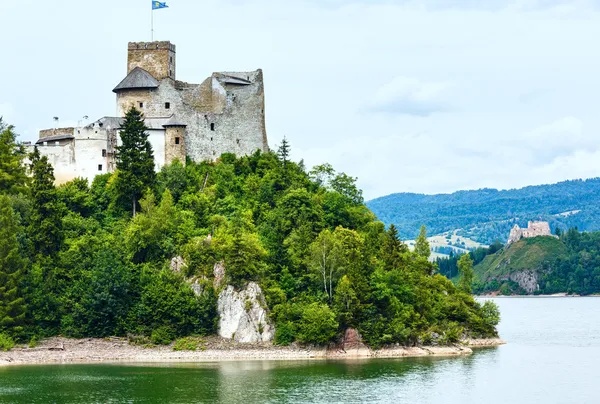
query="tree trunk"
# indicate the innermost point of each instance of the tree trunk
(133, 203)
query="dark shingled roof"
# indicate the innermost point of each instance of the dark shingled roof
(174, 122)
(54, 138)
(138, 78)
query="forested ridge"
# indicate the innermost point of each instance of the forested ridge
(487, 215)
(569, 264)
(94, 260)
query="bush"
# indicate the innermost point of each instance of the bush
(6, 342)
(491, 314)
(138, 339)
(285, 334)
(162, 336)
(186, 344)
(33, 342)
(317, 325)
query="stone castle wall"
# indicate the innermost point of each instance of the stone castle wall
(534, 229)
(157, 58)
(223, 114)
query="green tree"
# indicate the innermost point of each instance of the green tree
(421, 244)
(108, 295)
(317, 325)
(13, 176)
(45, 228)
(135, 160)
(392, 248)
(173, 177)
(325, 260)
(465, 268)
(12, 270)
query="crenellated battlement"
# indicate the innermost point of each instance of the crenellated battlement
(161, 45)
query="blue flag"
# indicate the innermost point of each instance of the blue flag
(157, 5)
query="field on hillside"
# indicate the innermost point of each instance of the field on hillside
(487, 215)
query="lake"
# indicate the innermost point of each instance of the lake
(553, 356)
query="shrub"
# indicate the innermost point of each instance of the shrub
(491, 314)
(185, 344)
(33, 342)
(317, 325)
(6, 342)
(162, 336)
(138, 339)
(285, 333)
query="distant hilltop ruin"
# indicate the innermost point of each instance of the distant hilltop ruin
(223, 114)
(534, 229)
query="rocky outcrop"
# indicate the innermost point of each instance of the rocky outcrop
(353, 345)
(243, 316)
(527, 280)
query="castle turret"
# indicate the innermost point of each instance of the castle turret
(175, 141)
(157, 58)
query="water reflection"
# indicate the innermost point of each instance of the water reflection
(552, 356)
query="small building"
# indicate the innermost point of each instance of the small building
(223, 114)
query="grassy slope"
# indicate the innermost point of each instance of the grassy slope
(529, 253)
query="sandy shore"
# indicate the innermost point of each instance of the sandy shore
(62, 350)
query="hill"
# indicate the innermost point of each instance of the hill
(520, 267)
(487, 215)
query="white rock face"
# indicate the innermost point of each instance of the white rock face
(242, 316)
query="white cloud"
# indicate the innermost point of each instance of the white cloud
(410, 96)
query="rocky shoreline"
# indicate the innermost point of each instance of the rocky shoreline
(66, 351)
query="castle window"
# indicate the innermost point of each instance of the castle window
(212, 127)
(170, 72)
(171, 59)
(99, 167)
(167, 105)
(176, 140)
(103, 152)
(100, 124)
(141, 105)
(211, 139)
(238, 141)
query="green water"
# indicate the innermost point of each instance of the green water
(553, 357)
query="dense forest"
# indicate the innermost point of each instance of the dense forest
(487, 215)
(570, 264)
(93, 260)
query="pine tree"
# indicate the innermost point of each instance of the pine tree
(465, 268)
(45, 228)
(392, 248)
(12, 269)
(135, 160)
(421, 244)
(283, 152)
(13, 176)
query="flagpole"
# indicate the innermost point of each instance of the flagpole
(152, 25)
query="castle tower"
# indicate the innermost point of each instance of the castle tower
(175, 141)
(157, 58)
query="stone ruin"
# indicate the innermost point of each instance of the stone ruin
(533, 229)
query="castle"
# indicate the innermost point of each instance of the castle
(534, 229)
(223, 114)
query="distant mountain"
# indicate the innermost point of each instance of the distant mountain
(487, 215)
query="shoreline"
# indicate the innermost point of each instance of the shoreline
(556, 295)
(60, 350)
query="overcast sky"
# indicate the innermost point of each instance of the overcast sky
(409, 96)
